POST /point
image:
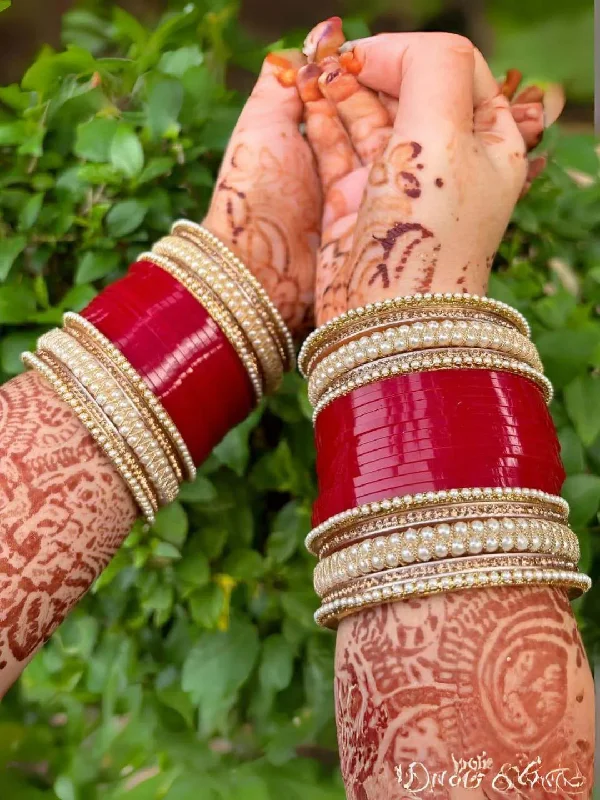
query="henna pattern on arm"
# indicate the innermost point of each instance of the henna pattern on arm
(500, 671)
(64, 511)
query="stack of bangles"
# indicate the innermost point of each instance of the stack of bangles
(144, 365)
(438, 463)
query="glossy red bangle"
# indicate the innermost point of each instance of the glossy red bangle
(179, 350)
(429, 431)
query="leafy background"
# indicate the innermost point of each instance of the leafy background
(193, 668)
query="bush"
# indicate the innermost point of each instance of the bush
(193, 668)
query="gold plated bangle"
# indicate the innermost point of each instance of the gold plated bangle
(392, 522)
(265, 348)
(451, 576)
(376, 312)
(93, 340)
(380, 510)
(118, 408)
(369, 349)
(442, 541)
(398, 318)
(219, 250)
(218, 312)
(99, 427)
(247, 295)
(427, 361)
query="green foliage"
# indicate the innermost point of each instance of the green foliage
(193, 668)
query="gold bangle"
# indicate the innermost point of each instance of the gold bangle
(137, 399)
(219, 250)
(442, 541)
(77, 324)
(265, 349)
(218, 312)
(502, 573)
(377, 312)
(250, 298)
(428, 361)
(379, 510)
(398, 318)
(114, 403)
(368, 350)
(98, 426)
(326, 544)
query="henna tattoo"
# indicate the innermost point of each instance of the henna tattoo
(266, 207)
(439, 182)
(64, 512)
(498, 670)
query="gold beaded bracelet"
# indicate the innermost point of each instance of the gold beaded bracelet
(375, 313)
(99, 427)
(116, 405)
(451, 576)
(427, 506)
(238, 272)
(448, 334)
(265, 348)
(221, 315)
(430, 543)
(148, 405)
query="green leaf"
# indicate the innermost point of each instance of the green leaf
(244, 565)
(164, 104)
(571, 451)
(127, 27)
(290, 528)
(171, 524)
(218, 667)
(10, 248)
(50, 67)
(126, 153)
(276, 664)
(125, 217)
(11, 347)
(4, 4)
(160, 165)
(177, 62)
(30, 211)
(582, 399)
(206, 605)
(95, 264)
(567, 353)
(200, 491)
(94, 139)
(582, 492)
(12, 133)
(194, 569)
(234, 450)
(16, 305)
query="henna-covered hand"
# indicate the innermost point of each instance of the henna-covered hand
(417, 190)
(267, 201)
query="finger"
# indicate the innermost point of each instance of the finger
(326, 134)
(530, 122)
(390, 104)
(391, 61)
(360, 110)
(554, 102)
(511, 83)
(273, 100)
(324, 40)
(531, 94)
(535, 168)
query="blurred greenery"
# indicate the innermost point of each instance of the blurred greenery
(193, 668)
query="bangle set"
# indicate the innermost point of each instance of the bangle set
(418, 401)
(413, 398)
(146, 359)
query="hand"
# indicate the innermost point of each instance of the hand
(267, 200)
(417, 190)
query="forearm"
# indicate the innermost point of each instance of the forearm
(64, 512)
(497, 673)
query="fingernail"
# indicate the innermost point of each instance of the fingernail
(325, 39)
(533, 113)
(350, 63)
(308, 83)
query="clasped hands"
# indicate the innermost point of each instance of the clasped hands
(370, 169)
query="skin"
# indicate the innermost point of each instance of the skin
(406, 684)
(417, 194)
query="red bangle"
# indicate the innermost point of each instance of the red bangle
(431, 431)
(179, 350)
